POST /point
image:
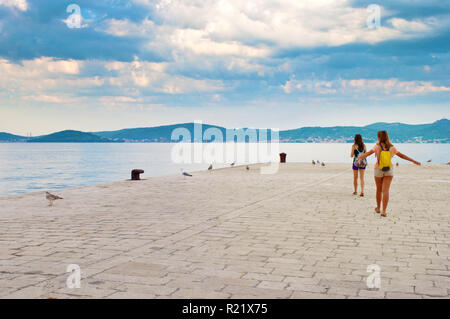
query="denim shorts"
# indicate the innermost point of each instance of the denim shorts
(355, 168)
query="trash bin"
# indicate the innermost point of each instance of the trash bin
(283, 157)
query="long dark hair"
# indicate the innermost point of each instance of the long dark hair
(383, 137)
(359, 142)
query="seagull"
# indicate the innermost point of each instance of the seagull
(247, 168)
(210, 167)
(314, 163)
(232, 164)
(51, 198)
(185, 173)
(429, 161)
(323, 164)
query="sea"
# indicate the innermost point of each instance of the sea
(30, 167)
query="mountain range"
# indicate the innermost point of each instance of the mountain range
(437, 132)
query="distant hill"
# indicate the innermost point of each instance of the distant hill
(437, 132)
(6, 137)
(158, 134)
(163, 134)
(69, 136)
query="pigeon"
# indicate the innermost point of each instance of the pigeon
(323, 164)
(247, 168)
(314, 163)
(210, 167)
(429, 161)
(232, 164)
(51, 198)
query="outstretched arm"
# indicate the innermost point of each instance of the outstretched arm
(407, 158)
(363, 156)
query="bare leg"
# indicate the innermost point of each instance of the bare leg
(379, 184)
(361, 179)
(386, 186)
(355, 182)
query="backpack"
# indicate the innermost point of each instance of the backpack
(385, 159)
(359, 163)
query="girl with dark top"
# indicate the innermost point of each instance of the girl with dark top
(358, 166)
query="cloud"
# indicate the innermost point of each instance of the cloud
(51, 99)
(199, 43)
(285, 23)
(125, 27)
(22, 5)
(365, 87)
(203, 53)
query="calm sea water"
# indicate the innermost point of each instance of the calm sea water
(32, 167)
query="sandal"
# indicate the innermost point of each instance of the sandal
(362, 194)
(377, 211)
(355, 193)
(383, 214)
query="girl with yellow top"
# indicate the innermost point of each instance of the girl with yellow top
(384, 170)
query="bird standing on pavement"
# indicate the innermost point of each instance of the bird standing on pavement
(232, 164)
(323, 164)
(185, 174)
(247, 168)
(314, 163)
(51, 198)
(210, 167)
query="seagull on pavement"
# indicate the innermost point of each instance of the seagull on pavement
(185, 173)
(51, 198)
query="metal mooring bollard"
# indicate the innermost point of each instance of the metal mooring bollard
(135, 174)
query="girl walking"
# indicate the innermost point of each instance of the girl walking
(384, 170)
(359, 166)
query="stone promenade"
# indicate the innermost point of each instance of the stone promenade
(232, 233)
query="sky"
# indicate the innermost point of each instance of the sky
(282, 64)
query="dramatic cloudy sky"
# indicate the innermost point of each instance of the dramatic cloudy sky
(257, 63)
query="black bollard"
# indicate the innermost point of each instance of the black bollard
(135, 174)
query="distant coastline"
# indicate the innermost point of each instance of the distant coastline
(436, 132)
